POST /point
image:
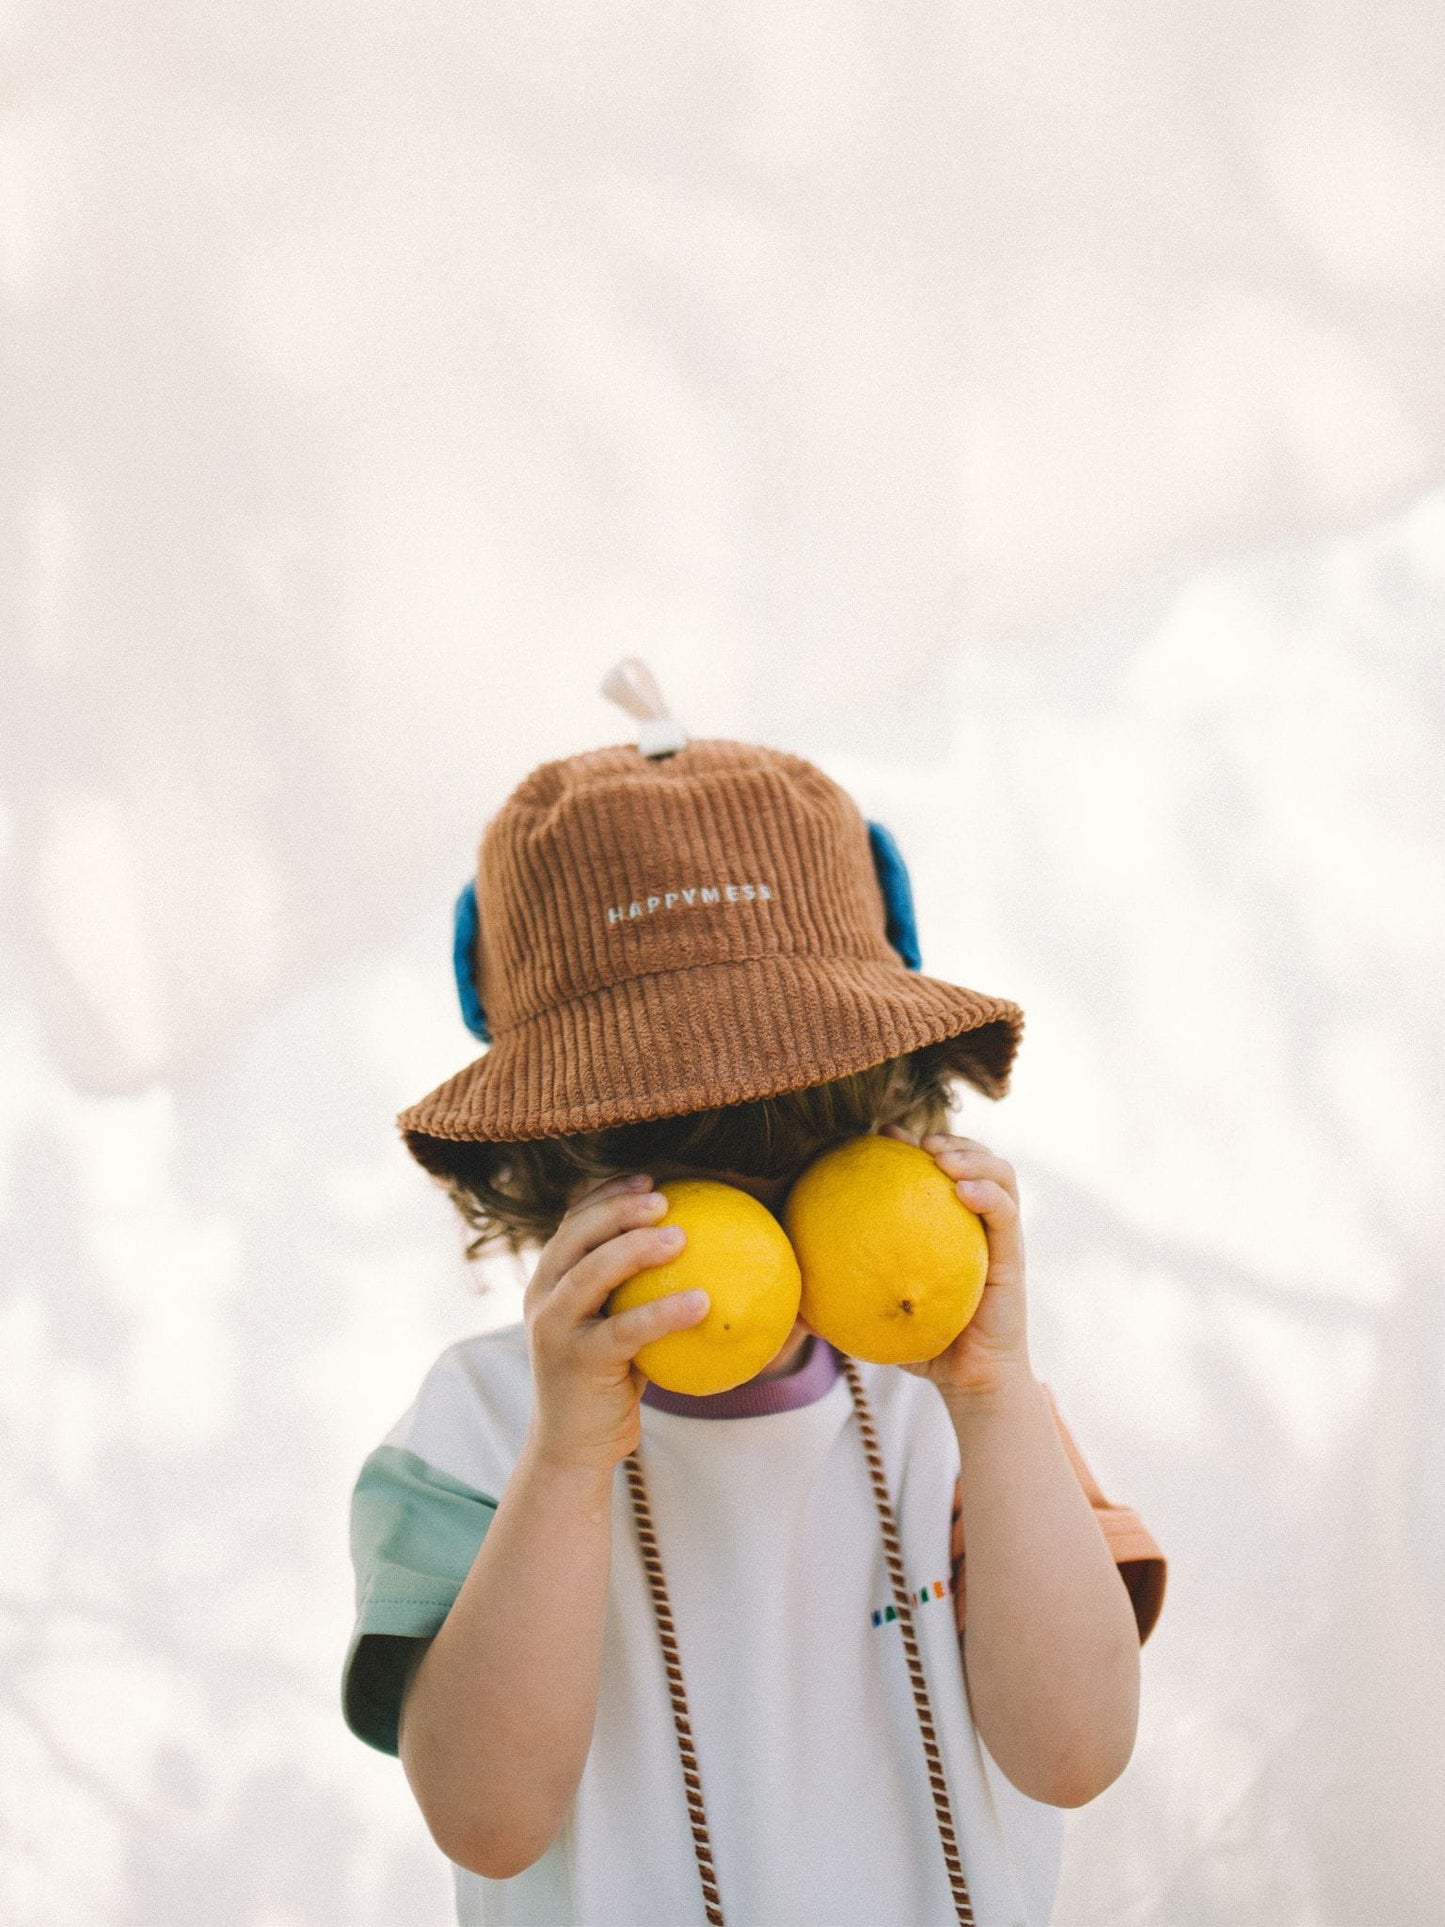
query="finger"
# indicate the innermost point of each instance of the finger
(582, 1230)
(995, 1196)
(583, 1290)
(999, 1215)
(977, 1164)
(967, 1159)
(619, 1184)
(624, 1336)
(621, 1209)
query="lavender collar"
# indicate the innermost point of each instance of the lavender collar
(757, 1397)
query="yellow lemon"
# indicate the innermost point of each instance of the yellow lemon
(893, 1260)
(737, 1253)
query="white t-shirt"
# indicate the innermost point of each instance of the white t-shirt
(803, 1717)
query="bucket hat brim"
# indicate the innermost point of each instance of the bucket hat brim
(660, 1045)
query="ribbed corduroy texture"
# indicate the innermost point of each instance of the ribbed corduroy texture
(666, 936)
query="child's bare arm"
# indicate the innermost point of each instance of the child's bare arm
(498, 1713)
(1051, 1651)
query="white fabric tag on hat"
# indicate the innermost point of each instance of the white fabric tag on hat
(633, 687)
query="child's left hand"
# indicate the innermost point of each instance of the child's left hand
(993, 1345)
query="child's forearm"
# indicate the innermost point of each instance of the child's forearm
(1051, 1647)
(498, 1716)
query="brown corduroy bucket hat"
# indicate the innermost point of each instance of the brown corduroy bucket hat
(661, 933)
(681, 929)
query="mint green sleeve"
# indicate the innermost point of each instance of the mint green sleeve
(414, 1535)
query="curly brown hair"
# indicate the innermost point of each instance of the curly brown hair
(516, 1194)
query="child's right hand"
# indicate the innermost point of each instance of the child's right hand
(586, 1387)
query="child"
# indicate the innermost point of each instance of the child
(729, 1684)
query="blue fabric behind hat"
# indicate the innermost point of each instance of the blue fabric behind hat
(465, 929)
(892, 871)
(902, 926)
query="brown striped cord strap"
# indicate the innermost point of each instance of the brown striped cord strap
(903, 1604)
(672, 1660)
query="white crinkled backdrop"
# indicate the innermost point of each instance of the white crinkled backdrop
(1035, 417)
